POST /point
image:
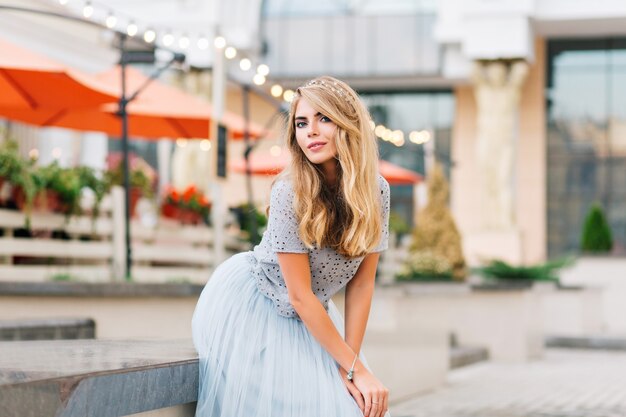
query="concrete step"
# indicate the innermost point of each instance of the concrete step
(600, 342)
(467, 355)
(47, 329)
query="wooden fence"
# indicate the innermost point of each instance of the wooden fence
(93, 250)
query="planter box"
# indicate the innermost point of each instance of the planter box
(608, 274)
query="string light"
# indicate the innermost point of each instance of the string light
(149, 36)
(219, 42)
(203, 43)
(288, 96)
(230, 52)
(181, 142)
(276, 90)
(183, 42)
(205, 145)
(245, 64)
(263, 70)
(56, 153)
(33, 153)
(168, 39)
(132, 29)
(259, 79)
(276, 150)
(88, 10)
(111, 21)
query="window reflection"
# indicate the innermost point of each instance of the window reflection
(432, 111)
(586, 138)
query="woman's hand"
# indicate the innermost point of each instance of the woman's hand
(353, 390)
(375, 394)
(369, 393)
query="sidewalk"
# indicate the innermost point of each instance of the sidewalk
(565, 383)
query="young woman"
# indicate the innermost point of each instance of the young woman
(270, 341)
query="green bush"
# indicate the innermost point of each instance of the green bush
(548, 271)
(246, 214)
(596, 235)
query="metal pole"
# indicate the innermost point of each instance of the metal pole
(252, 224)
(218, 209)
(125, 165)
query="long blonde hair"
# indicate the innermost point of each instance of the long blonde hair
(347, 219)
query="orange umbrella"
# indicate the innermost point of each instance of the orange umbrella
(32, 82)
(158, 111)
(268, 164)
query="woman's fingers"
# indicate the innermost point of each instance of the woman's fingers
(356, 394)
(367, 397)
(385, 404)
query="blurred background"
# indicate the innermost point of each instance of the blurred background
(502, 132)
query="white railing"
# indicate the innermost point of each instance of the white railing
(94, 250)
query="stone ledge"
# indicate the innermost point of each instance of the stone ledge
(82, 289)
(95, 377)
(586, 342)
(464, 356)
(47, 329)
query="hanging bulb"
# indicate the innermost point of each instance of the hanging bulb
(88, 10)
(230, 52)
(132, 29)
(203, 43)
(149, 36)
(259, 79)
(219, 42)
(245, 64)
(183, 42)
(168, 39)
(111, 21)
(276, 90)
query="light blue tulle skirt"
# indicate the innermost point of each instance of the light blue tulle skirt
(256, 363)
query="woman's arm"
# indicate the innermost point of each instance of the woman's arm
(359, 292)
(297, 273)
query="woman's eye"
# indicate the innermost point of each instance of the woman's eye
(325, 119)
(300, 124)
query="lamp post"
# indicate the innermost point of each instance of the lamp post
(129, 57)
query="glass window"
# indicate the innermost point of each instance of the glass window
(418, 111)
(586, 94)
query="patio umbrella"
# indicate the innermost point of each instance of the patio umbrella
(158, 111)
(263, 163)
(31, 82)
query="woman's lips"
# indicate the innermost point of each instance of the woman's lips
(316, 146)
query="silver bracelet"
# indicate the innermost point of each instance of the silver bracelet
(351, 371)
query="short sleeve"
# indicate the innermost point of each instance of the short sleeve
(385, 197)
(282, 224)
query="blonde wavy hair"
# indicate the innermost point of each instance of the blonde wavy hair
(346, 218)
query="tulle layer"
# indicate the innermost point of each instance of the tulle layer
(257, 363)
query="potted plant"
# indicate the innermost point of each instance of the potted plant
(504, 272)
(141, 178)
(426, 266)
(251, 222)
(189, 206)
(88, 179)
(16, 171)
(596, 235)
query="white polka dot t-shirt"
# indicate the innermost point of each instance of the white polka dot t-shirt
(330, 271)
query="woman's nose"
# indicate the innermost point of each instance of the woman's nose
(312, 130)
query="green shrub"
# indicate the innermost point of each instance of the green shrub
(548, 271)
(596, 235)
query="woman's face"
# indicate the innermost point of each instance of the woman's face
(315, 134)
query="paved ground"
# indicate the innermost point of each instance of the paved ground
(565, 383)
